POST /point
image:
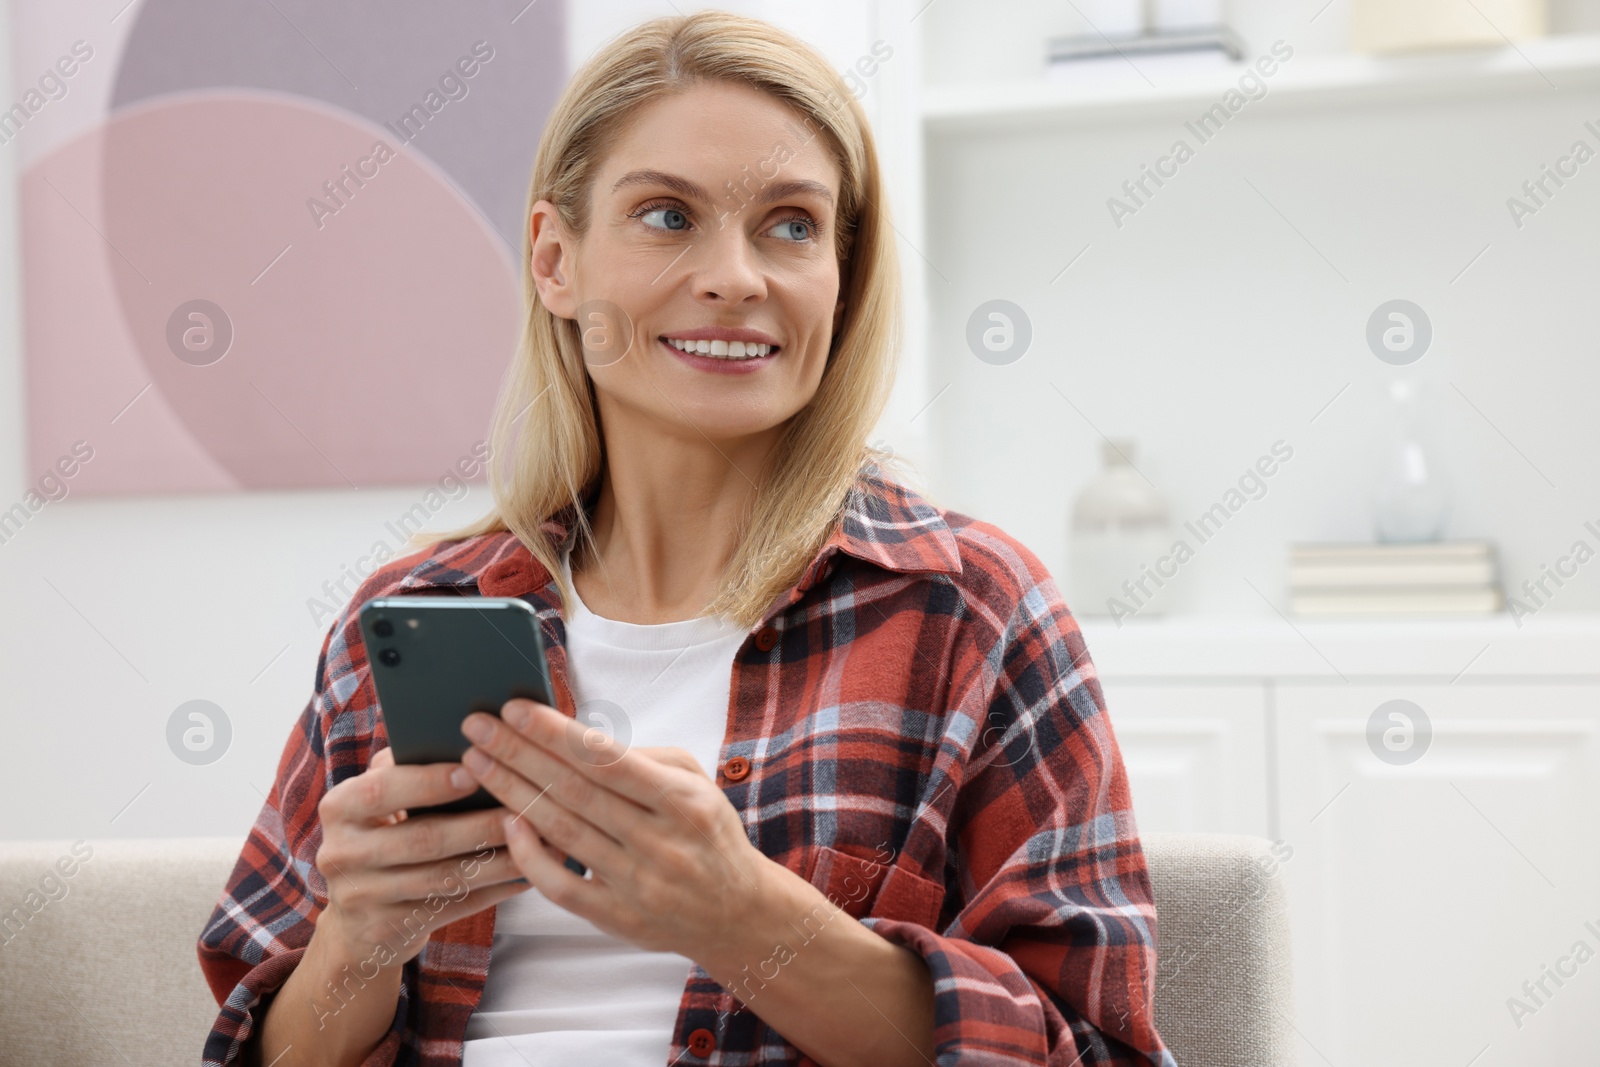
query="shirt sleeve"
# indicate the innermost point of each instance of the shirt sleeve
(1051, 956)
(263, 920)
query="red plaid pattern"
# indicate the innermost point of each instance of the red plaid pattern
(920, 717)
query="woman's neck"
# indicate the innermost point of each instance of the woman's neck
(664, 532)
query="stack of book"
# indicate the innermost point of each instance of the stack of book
(1096, 57)
(1217, 40)
(1423, 578)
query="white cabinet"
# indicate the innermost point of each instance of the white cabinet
(1426, 893)
(1445, 908)
(1196, 755)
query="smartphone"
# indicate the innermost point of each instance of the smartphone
(437, 659)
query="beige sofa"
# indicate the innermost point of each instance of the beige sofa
(99, 967)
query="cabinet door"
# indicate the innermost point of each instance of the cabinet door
(1430, 881)
(1196, 754)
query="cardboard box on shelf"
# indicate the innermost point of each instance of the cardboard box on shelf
(1416, 25)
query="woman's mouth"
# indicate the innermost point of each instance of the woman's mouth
(722, 356)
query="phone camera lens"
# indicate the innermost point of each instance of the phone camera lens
(389, 657)
(383, 628)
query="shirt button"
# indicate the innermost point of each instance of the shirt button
(736, 769)
(702, 1042)
(766, 637)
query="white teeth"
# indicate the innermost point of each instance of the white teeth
(722, 349)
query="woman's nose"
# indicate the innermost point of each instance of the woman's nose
(730, 269)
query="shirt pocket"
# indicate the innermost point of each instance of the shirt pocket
(860, 882)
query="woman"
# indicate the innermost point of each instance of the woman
(882, 817)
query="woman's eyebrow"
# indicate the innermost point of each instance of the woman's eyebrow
(690, 190)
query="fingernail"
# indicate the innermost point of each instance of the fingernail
(515, 714)
(478, 727)
(477, 760)
(461, 779)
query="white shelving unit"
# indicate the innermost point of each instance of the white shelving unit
(1546, 65)
(1259, 726)
(1423, 894)
(1553, 645)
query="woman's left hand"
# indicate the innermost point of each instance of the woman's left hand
(671, 867)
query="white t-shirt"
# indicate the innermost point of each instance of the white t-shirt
(561, 991)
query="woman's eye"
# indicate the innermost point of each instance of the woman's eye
(672, 218)
(797, 229)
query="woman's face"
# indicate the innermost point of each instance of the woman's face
(714, 212)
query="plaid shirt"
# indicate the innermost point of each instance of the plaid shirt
(919, 716)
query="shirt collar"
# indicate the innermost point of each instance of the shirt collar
(884, 522)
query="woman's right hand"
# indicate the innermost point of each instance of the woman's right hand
(392, 880)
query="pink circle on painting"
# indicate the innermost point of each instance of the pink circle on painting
(372, 311)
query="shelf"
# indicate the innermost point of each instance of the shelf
(1493, 648)
(1538, 66)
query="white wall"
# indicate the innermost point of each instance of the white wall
(11, 425)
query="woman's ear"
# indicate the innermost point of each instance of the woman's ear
(548, 260)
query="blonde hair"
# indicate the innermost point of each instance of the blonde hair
(557, 456)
